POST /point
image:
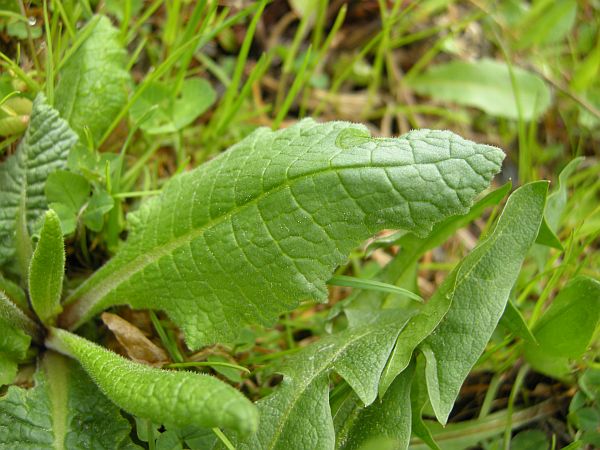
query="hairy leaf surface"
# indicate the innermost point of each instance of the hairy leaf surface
(298, 415)
(47, 270)
(483, 283)
(43, 150)
(246, 236)
(92, 85)
(163, 396)
(64, 410)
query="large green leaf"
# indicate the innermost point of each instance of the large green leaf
(43, 150)
(246, 236)
(298, 415)
(486, 85)
(481, 289)
(92, 85)
(162, 396)
(64, 410)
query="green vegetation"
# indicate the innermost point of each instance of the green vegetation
(201, 248)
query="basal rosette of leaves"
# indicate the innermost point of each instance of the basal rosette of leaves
(237, 242)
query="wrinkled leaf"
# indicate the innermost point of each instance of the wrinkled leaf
(249, 234)
(297, 414)
(43, 150)
(64, 410)
(483, 283)
(92, 84)
(47, 270)
(163, 396)
(486, 85)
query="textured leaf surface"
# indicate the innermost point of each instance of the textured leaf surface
(64, 410)
(16, 331)
(47, 270)
(246, 236)
(43, 150)
(92, 85)
(14, 343)
(163, 396)
(298, 415)
(483, 283)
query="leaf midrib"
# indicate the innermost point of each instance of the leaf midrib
(90, 298)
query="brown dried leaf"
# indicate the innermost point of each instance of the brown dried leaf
(138, 347)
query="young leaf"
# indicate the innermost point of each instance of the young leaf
(388, 420)
(47, 270)
(92, 84)
(298, 413)
(566, 329)
(163, 396)
(63, 410)
(14, 343)
(43, 150)
(483, 283)
(11, 315)
(249, 234)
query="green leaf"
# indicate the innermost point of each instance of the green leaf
(172, 114)
(547, 237)
(63, 410)
(68, 188)
(12, 316)
(92, 85)
(529, 440)
(566, 329)
(432, 312)
(359, 283)
(261, 227)
(557, 200)
(14, 292)
(297, 414)
(43, 150)
(513, 320)
(485, 84)
(388, 419)
(483, 283)
(412, 248)
(100, 203)
(546, 23)
(47, 270)
(16, 331)
(163, 396)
